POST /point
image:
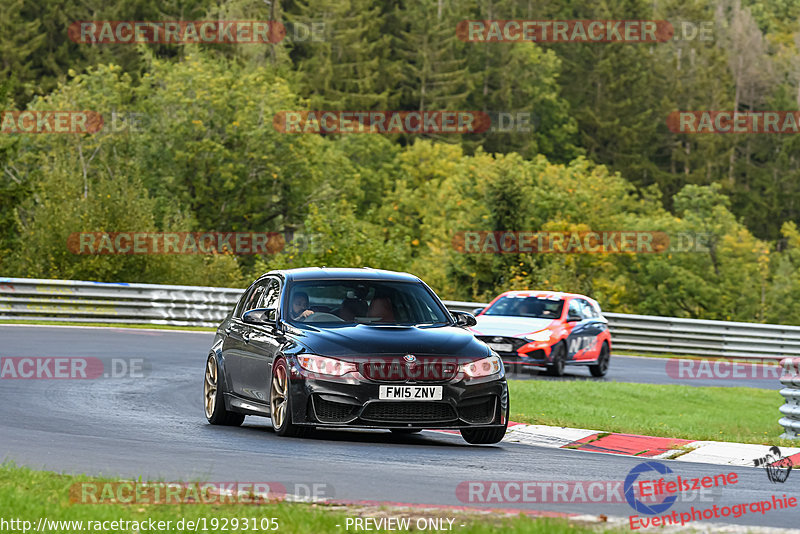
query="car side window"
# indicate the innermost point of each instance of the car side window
(271, 294)
(575, 308)
(240, 306)
(586, 309)
(254, 297)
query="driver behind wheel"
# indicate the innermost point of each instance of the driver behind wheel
(300, 308)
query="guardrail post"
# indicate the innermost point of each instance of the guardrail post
(790, 378)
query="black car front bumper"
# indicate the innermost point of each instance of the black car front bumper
(353, 401)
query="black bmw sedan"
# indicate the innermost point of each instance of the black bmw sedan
(344, 348)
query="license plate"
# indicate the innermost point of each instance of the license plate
(410, 393)
(501, 347)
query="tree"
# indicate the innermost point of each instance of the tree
(20, 38)
(348, 70)
(434, 64)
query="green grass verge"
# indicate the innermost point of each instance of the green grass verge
(30, 495)
(112, 325)
(744, 415)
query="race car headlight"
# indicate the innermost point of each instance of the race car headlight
(325, 366)
(484, 367)
(541, 335)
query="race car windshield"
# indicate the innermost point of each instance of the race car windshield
(333, 303)
(537, 307)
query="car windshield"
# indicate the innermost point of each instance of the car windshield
(341, 302)
(524, 306)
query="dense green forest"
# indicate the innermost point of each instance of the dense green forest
(188, 144)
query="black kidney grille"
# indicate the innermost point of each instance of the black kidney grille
(397, 370)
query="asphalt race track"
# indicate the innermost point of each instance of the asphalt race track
(152, 426)
(645, 370)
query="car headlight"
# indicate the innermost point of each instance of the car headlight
(541, 335)
(325, 366)
(483, 367)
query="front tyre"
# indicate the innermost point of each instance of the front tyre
(485, 436)
(216, 413)
(557, 360)
(280, 402)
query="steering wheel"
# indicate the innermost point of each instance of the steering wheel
(322, 317)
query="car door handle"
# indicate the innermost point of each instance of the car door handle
(246, 336)
(228, 329)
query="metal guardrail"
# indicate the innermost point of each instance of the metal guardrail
(791, 392)
(653, 334)
(76, 301)
(97, 302)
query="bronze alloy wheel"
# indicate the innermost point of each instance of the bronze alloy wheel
(278, 396)
(210, 388)
(280, 403)
(213, 400)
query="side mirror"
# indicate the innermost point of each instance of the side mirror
(476, 311)
(571, 318)
(260, 316)
(464, 318)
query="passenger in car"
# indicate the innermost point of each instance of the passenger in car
(381, 308)
(351, 309)
(354, 306)
(529, 308)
